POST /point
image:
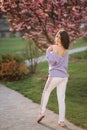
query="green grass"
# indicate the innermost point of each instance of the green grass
(76, 94)
(17, 45)
(12, 45)
(80, 55)
(79, 43)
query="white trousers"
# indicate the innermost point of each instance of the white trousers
(60, 84)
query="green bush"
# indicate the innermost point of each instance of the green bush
(31, 53)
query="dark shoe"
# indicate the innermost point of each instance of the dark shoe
(40, 117)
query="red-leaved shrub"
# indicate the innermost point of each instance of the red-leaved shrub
(13, 70)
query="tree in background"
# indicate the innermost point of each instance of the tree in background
(39, 20)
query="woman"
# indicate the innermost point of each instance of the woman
(57, 56)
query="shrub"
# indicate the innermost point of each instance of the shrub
(8, 57)
(11, 68)
(31, 53)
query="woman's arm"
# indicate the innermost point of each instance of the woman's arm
(50, 56)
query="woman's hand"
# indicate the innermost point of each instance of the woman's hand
(50, 48)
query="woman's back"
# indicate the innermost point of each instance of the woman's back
(58, 61)
(59, 50)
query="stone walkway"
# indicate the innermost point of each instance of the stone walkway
(19, 113)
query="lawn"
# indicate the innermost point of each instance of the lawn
(17, 45)
(12, 45)
(32, 87)
(80, 55)
(76, 94)
(79, 43)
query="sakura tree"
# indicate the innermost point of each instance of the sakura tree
(39, 20)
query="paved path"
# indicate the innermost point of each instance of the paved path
(19, 113)
(43, 58)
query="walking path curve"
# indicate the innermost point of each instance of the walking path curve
(43, 58)
(19, 113)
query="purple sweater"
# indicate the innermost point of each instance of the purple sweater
(58, 65)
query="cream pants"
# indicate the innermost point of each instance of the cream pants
(60, 84)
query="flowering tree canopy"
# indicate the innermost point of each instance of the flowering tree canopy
(39, 20)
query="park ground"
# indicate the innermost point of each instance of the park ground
(76, 90)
